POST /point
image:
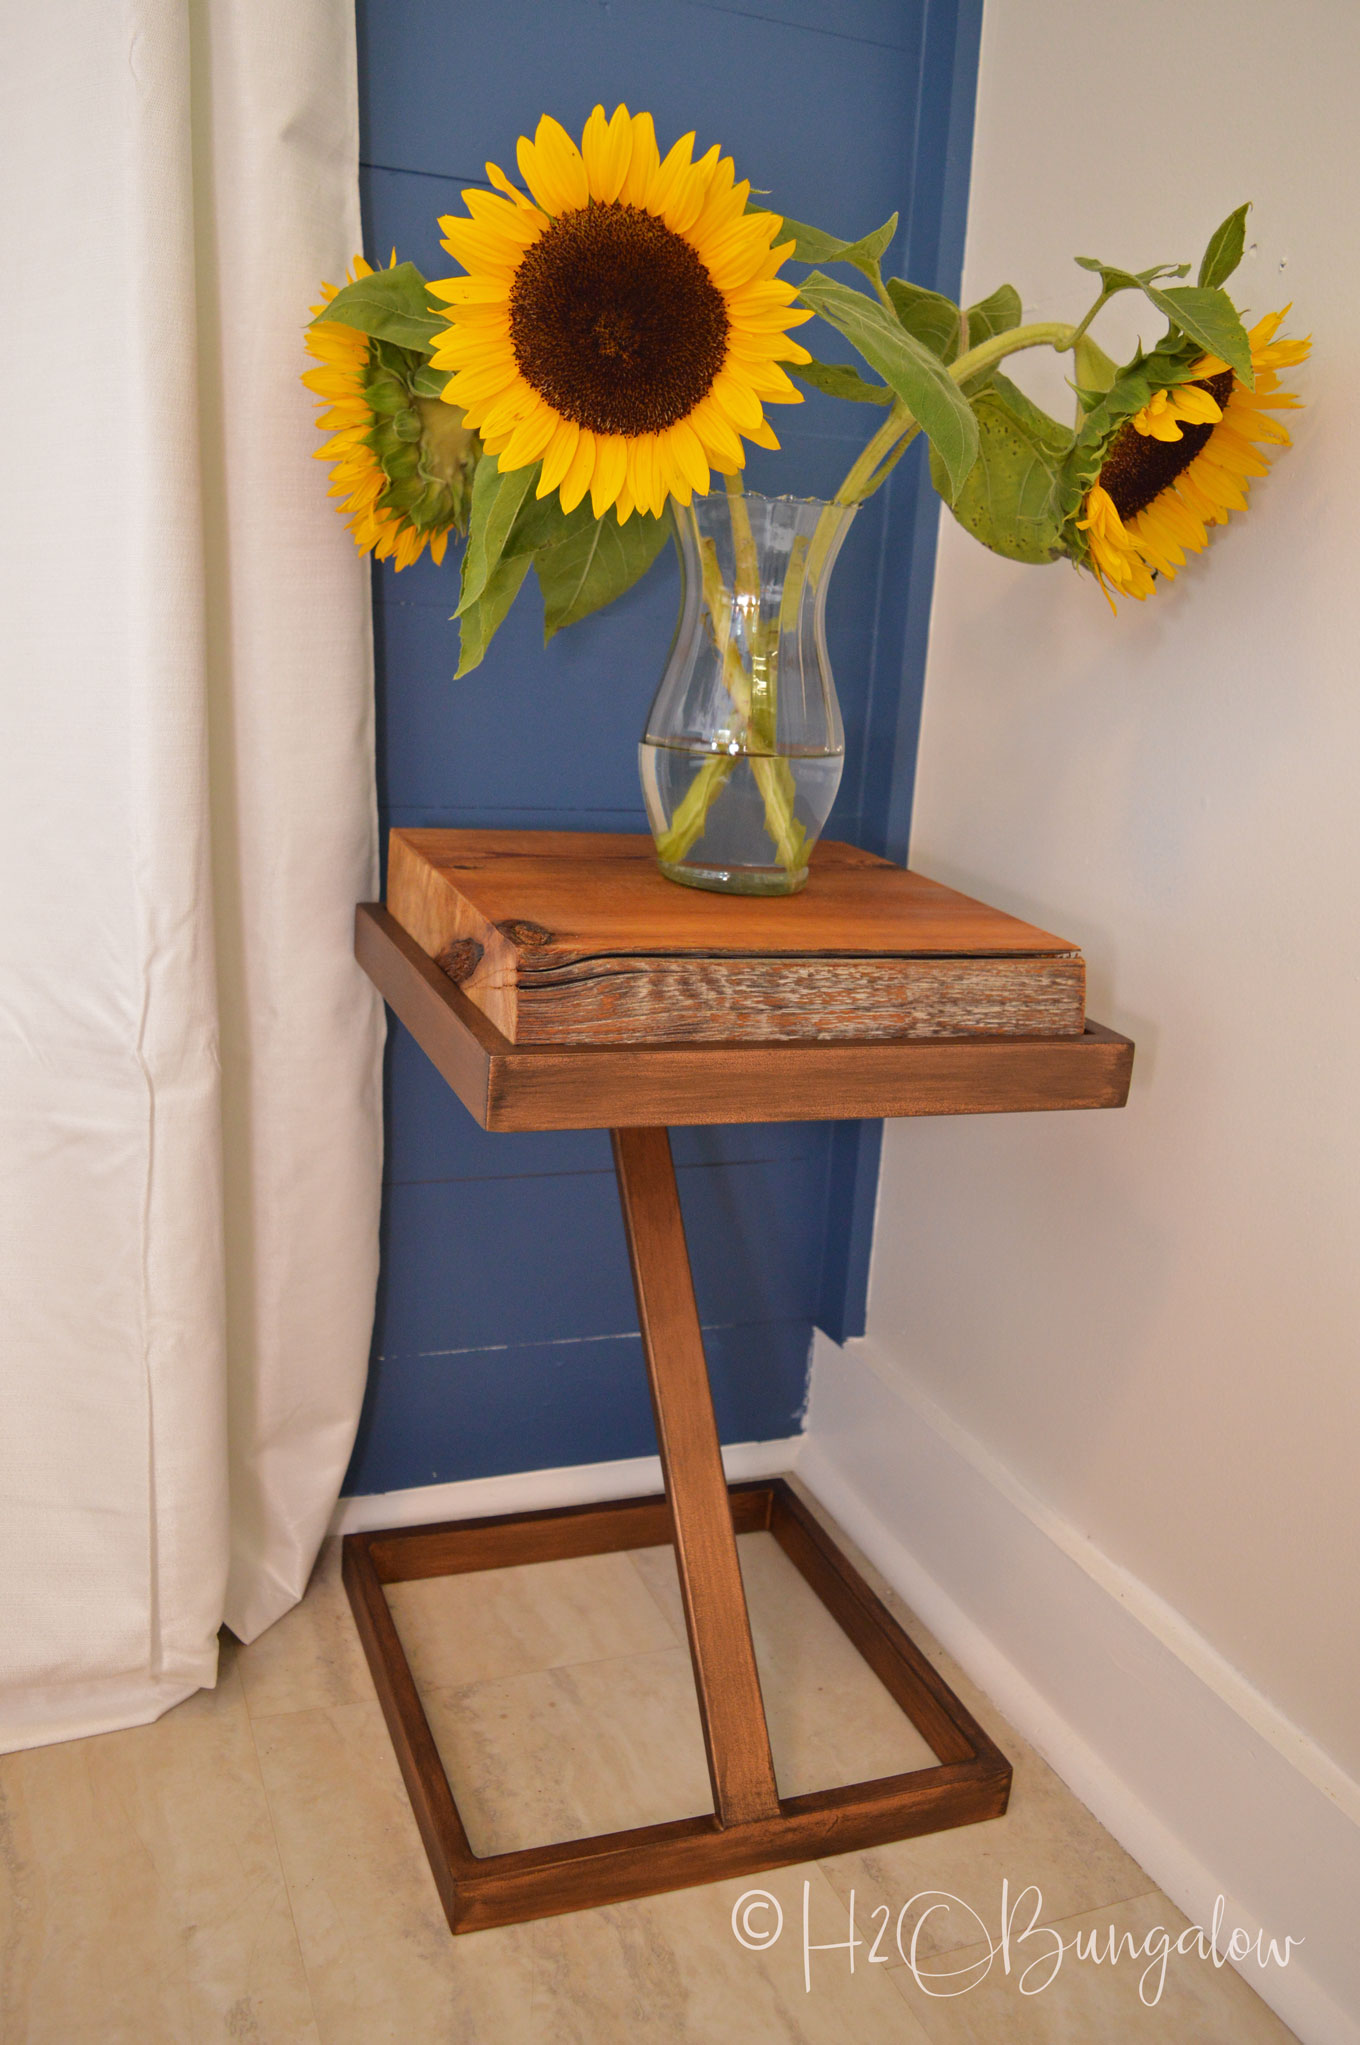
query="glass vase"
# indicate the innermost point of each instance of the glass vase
(744, 746)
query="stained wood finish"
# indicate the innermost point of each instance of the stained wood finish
(576, 938)
(509, 1086)
(581, 1874)
(557, 1534)
(730, 1707)
(636, 1090)
(436, 1813)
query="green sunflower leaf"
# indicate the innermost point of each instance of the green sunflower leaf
(496, 504)
(541, 522)
(918, 378)
(403, 496)
(391, 305)
(1224, 251)
(386, 395)
(594, 565)
(1209, 317)
(1113, 279)
(994, 315)
(1095, 372)
(428, 382)
(932, 318)
(838, 380)
(812, 246)
(479, 621)
(1013, 498)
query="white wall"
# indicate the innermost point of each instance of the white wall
(1152, 1319)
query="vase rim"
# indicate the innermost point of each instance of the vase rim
(780, 497)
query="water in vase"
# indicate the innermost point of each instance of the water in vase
(741, 821)
(744, 745)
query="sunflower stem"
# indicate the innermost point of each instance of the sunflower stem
(753, 689)
(1082, 325)
(747, 574)
(899, 429)
(1042, 334)
(898, 422)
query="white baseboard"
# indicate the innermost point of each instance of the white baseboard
(541, 1490)
(1196, 1774)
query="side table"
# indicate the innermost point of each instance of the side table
(636, 1088)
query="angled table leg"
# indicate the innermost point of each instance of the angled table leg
(751, 1828)
(738, 1744)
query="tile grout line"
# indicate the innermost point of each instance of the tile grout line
(678, 1638)
(675, 1645)
(278, 1850)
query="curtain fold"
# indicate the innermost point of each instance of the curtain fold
(189, 1058)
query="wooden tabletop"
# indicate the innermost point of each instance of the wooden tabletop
(601, 891)
(574, 938)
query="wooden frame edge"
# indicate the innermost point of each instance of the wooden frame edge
(509, 1086)
(479, 1892)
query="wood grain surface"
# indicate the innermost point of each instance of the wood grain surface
(730, 1707)
(509, 1086)
(577, 938)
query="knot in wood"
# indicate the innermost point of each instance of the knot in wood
(460, 958)
(521, 932)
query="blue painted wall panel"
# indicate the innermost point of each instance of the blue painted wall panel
(467, 1263)
(431, 1136)
(431, 1420)
(504, 1337)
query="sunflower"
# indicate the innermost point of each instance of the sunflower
(1183, 462)
(402, 463)
(623, 324)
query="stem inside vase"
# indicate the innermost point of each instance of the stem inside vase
(744, 748)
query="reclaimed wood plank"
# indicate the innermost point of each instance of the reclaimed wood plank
(508, 1086)
(576, 938)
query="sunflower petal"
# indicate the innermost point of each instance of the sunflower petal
(642, 163)
(731, 390)
(674, 165)
(518, 225)
(688, 454)
(580, 469)
(611, 467)
(718, 437)
(558, 456)
(552, 167)
(690, 193)
(606, 148)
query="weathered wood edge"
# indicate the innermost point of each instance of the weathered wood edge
(509, 1086)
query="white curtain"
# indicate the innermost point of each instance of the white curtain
(189, 1084)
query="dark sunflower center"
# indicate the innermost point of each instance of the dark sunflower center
(1138, 468)
(615, 321)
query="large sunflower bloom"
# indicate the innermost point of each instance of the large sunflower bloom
(1183, 462)
(358, 477)
(624, 324)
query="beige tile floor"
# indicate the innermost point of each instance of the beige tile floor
(248, 1869)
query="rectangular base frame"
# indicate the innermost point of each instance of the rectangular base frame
(970, 1783)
